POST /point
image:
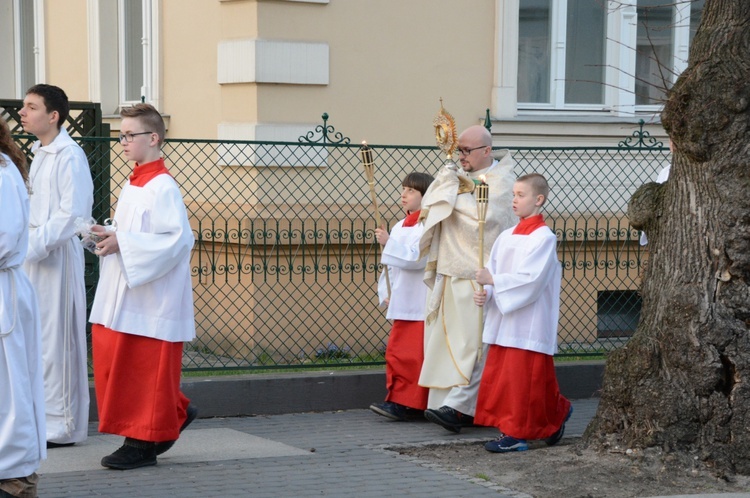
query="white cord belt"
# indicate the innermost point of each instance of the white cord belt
(13, 298)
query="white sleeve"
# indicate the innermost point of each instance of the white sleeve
(76, 198)
(512, 291)
(402, 248)
(146, 256)
(383, 288)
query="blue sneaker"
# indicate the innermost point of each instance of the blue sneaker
(506, 444)
(390, 410)
(557, 436)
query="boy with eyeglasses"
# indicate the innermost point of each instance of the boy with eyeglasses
(143, 308)
(61, 192)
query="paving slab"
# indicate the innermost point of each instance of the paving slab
(339, 453)
(197, 445)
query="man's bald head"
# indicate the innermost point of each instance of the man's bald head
(475, 148)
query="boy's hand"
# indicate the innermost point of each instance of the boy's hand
(387, 301)
(484, 277)
(480, 297)
(108, 245)
(381, 235)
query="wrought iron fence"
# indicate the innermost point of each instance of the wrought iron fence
(285, 262)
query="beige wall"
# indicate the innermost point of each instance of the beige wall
(190, 31)
(66, 47)
(388, 66)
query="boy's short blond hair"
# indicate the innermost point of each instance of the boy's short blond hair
(538, 183)
(148, 116)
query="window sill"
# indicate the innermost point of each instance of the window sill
(549, 116)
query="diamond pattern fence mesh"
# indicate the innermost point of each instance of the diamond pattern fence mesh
(285, 262)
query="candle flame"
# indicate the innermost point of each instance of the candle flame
(482, 178)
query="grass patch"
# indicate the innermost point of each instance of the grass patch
(588, 357)
(277, 369)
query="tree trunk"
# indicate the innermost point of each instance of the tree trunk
(683, 381)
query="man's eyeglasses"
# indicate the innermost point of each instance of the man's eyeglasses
(465, 152)
(128, 137)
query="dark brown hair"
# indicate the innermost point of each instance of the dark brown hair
(417, 181)
(54, 100)
(9, 147)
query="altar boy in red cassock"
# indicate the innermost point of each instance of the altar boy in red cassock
(143, 308)
(518, 392)
(404, 355)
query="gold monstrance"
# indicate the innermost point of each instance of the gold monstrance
(445, 133)
(369, 165)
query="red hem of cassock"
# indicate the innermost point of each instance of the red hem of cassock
(519, 394)
(403, 363)
(137, 383)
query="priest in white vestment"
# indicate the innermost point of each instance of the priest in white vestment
(453, 339)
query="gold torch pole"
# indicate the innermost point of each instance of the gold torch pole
(482, 191)
(369, 166)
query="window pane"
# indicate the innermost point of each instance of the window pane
(653, 60)
(696, 9)
(26, 50)
(618, 313)
(534, 51)
(584, 52)
(133, 46)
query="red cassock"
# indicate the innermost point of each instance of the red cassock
(137, 382)
(403, 363)
(519, 394)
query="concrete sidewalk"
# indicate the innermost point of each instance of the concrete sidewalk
(341, 453)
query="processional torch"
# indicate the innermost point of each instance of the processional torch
(369, 165)
(482, 193)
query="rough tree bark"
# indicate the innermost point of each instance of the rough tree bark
(683, 381)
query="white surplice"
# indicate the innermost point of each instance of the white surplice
(523, 305)
(61, 192)
(406, 272)
(146, 289)
(22, 434)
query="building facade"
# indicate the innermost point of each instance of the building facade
(552, 74)
(559, 72)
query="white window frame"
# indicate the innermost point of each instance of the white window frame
(38, 48)
(150, 42)
(620, 56)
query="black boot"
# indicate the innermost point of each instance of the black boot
(132, 454)
(163, 446)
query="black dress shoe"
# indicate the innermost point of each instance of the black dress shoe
(163, 446)
(131, 455)
(51, 445)
(449, 419)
